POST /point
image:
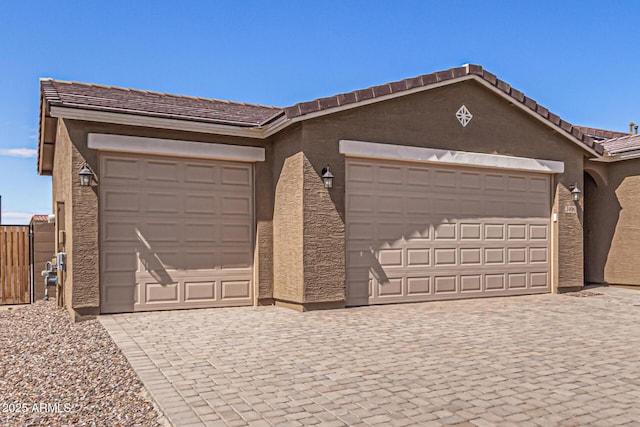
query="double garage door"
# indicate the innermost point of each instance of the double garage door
(419, 232)
(175, 233)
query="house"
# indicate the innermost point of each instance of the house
(448, 185)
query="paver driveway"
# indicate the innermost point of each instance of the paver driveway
(534, 360)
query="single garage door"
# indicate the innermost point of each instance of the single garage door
(419, 232)
(175, 233)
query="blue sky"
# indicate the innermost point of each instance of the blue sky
(581, 59)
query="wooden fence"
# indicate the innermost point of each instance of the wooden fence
(14, 264)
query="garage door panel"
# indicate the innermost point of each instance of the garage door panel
(418, 177)
(236, 176)
(444, 257)
(163, 202)
(480, 236)
(470, 231)
(495, 282)
(539, 255)
(389, 231)
(494, 183)
(470, 180)
(200, 173)
(164, 171)
(517, 280)
(418, 257)
(161, 293)
(361, 203)
(235, 259)
(199, 203)
(470, 207)
(539, 279)
(184, 234)
(538, 232)
(118, 230)
(120, 260)
(200, 291)
(538, 185)
(236, 205)
(391, 287)
(417, 232)
(445, 284)
(121, 298)
(494, 231)
(119, 200)
(199, 259)
(389, 204)
(202, 232)
(120, 170)
(470, 257)
(235, 289)
(445, 232)
(471, 283)
(418, 286)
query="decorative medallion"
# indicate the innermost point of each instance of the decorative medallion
(464, 116)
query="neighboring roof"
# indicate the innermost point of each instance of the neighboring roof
(622, 145)
(411, 84)
(131, 101)
(600, 134)
(40, 218)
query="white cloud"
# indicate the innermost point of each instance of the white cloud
(18, 152)
(16, 218)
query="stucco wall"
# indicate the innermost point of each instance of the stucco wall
(61, 194)
(288, 270)
(428, 119)
(613, 225)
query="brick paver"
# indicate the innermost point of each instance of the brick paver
(528, 361)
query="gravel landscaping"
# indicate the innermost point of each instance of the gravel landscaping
(56, 373)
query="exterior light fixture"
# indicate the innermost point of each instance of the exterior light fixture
(327, 177)
(86, 176)
(575, 192)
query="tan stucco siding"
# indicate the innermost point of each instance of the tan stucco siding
(614, 226)
(61, 193)
(288, 273)
(323, 235)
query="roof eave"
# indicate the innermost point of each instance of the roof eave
(128, 118)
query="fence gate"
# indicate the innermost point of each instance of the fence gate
(14, 264)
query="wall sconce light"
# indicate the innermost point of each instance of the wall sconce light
(86, 176)
(327, 177)
(575, 192)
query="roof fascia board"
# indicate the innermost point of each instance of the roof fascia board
(375, 150)
(536, 115)
(176, 148)
(630, 155)
(380, 99)
(154, 122)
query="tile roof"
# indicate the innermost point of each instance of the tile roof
(131, 101)
(356, 96)
(623, 144)
(601, 133)
(40, 218)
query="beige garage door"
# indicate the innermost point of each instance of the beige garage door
(175, 233)
(420, 232)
